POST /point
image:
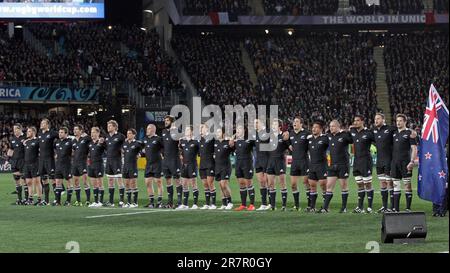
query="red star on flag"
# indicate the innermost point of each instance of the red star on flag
(428, 156)
(442, 174)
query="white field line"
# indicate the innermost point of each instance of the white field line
(120, 214)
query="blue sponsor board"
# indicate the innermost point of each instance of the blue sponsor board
(52, 10)
(49, 94)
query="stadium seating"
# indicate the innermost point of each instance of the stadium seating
(440, 6)
(203, 7)
(360, 7)
(301, 7)
(414, 61)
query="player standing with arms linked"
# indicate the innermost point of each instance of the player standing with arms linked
(131, 149)
(171, 160)
(153, 168)
(362, 165)
(95, 168)
(80, 146)
(114, 141)
(46, 138)
(207, 166)
(31, 167)
(63, 151)
(16, 155)
(222, 151)
(404, 154)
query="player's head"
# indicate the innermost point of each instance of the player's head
(297, 123)
(204, 129)
(31, 132)
(17, 129)
(189, 131)
(276, 125)
(95, 133)
(358, 121)
(168, 120)
(259, 125)
(335, 126)
(379, 119)
(317, 127)
(45, 124)
(131, 134)
(219, 133)
(240, 131)
(401, 121)
(112, 126)
(63, 132)
(151, 129)
(78, 130)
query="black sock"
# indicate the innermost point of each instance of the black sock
(263, 192)
(88, 194)
(384, 197)
(391, 197)
(101, 195)
(151, 199)
(313, 198)
(213, 197)
(135, 196)
(272, 197)
(328, 197)
(96, 195)
(129, 196)
(397, 195)
(159, 200)
(269, 195)
(224, 201)
(69, 195)
(243, 192)
(19, 192)
(207, 197)
(284, 197)
(296, 195)
(179, 194)
(408, 196)
(186, 197)
(111, 195)
(344, 199)
(25, 191)
(78, 194)
(229, 200)
(195, 194)
(63, 187)
(54, 188)
(369, 198)
(46, 192)
(308, 197)
(251, 195)
(361, 195)
(170, 194)
(58, 195)
(324, 194)
(121, 194)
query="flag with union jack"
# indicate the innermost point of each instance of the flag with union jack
(433, 169)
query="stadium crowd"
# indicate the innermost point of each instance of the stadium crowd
(360, 7)
(440, 6)
(90, 53)
(301, 7)
(413, 61)
(203, 7)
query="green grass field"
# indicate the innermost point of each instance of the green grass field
(48, 229)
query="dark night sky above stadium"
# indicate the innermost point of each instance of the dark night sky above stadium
(127, 12)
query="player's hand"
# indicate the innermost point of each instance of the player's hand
(9, 153)
(231, 142)
(285, 136)
(410, 166)
(101, 140)
(291, 148)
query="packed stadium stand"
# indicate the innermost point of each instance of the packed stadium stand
(301, 7)
(361, 7)
(440, 6)
(203, 7)
(414, 61)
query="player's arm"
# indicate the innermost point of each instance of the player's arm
(413, 142)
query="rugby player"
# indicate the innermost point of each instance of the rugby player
(189, 148)
(362, 164)
(153, 168)
(222, 151)
(31, 167)
(131, 149)
(16, 155)
(339, 167)
(171, 160)
(95, 167)
(63, 154)
(207, 166)
(262, 157)
(404, 151)
(47, 138)
(80, 146)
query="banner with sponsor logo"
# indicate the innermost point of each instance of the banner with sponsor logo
(89, 9)
(48, 94)
(325, 20)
